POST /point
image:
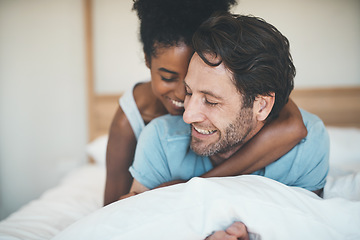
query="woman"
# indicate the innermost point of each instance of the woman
(166, 30)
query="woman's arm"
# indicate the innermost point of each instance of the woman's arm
(119, 157)
(273, 141)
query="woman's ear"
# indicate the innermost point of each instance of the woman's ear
(263, 105)
(147, 60)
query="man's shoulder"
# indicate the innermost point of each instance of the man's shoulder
(170, 126)
(315, 127)
(306, 165)
(310, 119)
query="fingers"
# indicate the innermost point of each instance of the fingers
(236, 231)
(221, 235)
(239, 230)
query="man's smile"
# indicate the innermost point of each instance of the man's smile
(203, 131)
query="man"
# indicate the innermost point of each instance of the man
(239, 78)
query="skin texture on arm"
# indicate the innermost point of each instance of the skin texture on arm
(122, 143)
(119, 157)
(273, 141)
(135, 189)
(280, 137)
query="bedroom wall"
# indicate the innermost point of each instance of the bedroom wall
(42, 97)
(43, 121)
(324, 36)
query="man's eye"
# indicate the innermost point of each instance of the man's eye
(210, 103)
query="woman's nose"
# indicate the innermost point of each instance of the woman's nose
(180, 91)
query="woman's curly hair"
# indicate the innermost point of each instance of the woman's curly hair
(170, 22)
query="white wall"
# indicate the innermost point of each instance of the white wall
(324, 36)
(42, 83)
(42, 96)
(119, 59)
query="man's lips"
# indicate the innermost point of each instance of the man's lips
(203, 131)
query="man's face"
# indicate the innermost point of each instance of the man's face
(213, 107)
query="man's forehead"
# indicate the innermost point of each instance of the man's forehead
(212, 80)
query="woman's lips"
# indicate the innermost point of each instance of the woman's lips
(177, 103)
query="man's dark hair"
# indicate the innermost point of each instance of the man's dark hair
(167, 23)
(254, 51)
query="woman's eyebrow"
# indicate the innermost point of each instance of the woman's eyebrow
(167, 70)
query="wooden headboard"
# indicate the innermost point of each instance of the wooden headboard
(335, 106)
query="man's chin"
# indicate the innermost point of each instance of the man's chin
(201, 149)
(208, 150)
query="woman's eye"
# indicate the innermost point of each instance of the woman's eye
(168, 79)
(187, 93)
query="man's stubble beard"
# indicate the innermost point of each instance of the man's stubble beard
(234, 135)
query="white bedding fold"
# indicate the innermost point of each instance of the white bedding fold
(195, 209)
(79, 194)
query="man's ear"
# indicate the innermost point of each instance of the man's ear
(147, 60)
(263, 105)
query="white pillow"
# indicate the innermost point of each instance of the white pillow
(97, 150)
(195, 209)
(344, 150)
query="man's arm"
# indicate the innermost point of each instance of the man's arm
(135, 189)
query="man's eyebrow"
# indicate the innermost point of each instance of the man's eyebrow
(167, 70)
(207, 92)
(212, 94)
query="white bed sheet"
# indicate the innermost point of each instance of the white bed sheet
(81, 192)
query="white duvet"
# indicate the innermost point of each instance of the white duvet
(195, 209)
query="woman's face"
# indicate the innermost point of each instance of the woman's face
(168, 69)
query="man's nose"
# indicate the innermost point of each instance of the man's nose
(193, 112)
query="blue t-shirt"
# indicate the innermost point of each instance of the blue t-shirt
(163, 154)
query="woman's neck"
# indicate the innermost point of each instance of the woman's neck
(149, 105)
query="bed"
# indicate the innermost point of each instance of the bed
(77, 200)
(73, 209)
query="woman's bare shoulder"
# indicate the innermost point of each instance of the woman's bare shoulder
(148, 104)
(120, 121)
